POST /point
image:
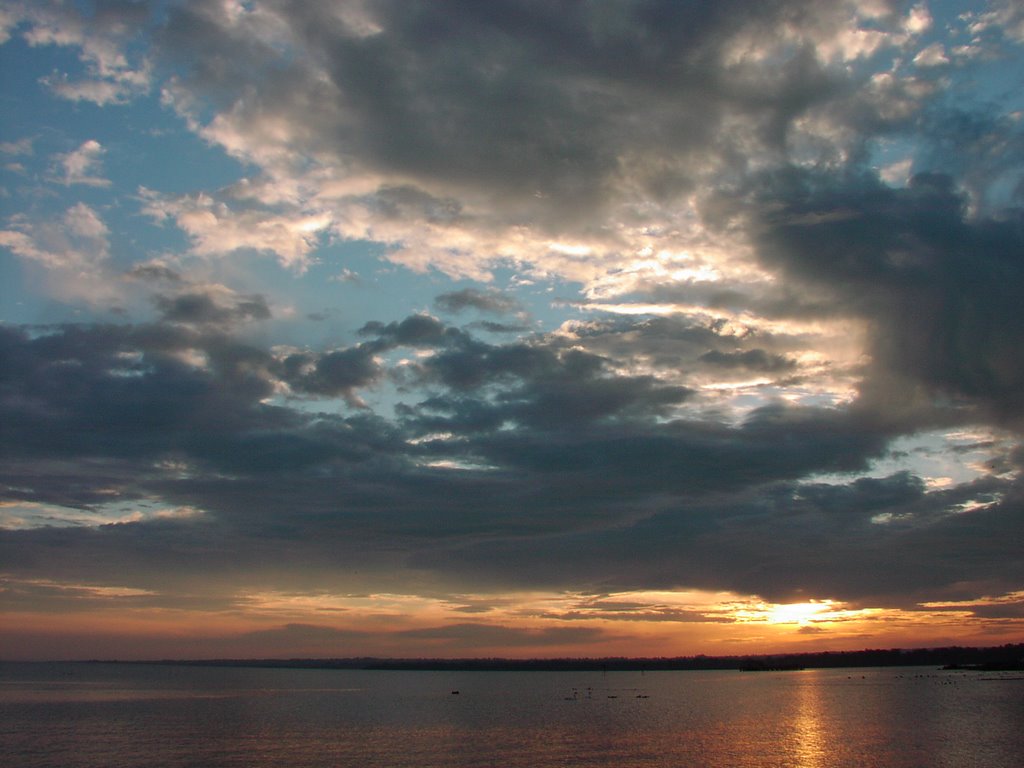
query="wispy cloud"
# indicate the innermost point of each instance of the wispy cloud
(82, 165)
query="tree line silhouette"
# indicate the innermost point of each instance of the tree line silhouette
(1003, 657)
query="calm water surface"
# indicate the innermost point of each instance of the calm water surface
(116, 716)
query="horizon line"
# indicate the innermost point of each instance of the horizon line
(443, 660)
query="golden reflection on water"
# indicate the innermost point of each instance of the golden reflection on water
(809, 737)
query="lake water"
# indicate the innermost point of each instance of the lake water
(116, 716)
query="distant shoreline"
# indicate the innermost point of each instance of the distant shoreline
(993, 658)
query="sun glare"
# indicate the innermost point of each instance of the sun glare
(798, 613)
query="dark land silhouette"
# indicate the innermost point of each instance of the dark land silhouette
(994, 658)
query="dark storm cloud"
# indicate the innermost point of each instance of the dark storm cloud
(102, 413)
(938, 286)
(876, 541)
(162, 391)
(982, 150)
(692, 457)
(112, 389)
(589, 475)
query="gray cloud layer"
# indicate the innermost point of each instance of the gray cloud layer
(578, 475)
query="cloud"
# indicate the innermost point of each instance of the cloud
(543, 388)
(211, 307)
(101, 37)
(76, 242)
(792, 541)
(483, 636)
(194, 396)
(774, 235)
(71, 251)
(330, 374)
(214, 228)
(154, 271)
(932, 281)
(414, 331)
(490, 301)
(1003, 18)
(594, 471)
(514, 132)
(932, 56)
(309, 640)
(751, 359)
(81, 165)
(19, 147)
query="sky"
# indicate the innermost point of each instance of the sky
(514, 328)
